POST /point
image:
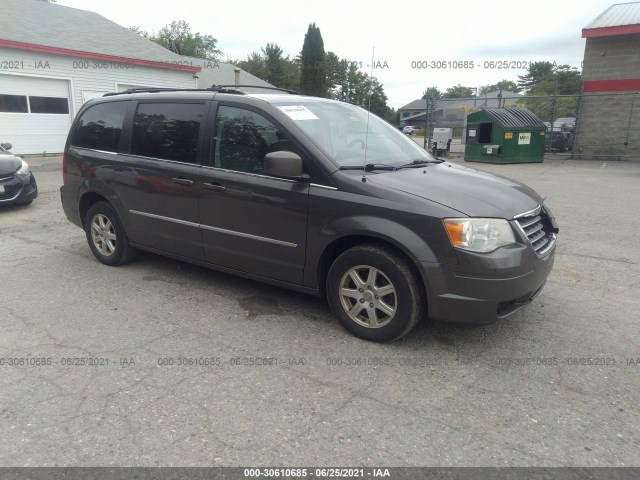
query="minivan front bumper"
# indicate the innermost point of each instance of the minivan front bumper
(483, 288)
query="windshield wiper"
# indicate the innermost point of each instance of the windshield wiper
(369, 167)
(418, 163)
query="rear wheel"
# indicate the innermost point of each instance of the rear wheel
(106, 236)
(374, 293)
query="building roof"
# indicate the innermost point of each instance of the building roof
(488, 101)
(415, 105)
(458, 102)
(618, 19)
(220, 73)
(44, 27)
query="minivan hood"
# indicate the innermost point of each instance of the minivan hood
(469, 191)
(9, 163)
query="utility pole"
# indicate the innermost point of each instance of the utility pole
(553, 112)
(426, 118)
(428, 121)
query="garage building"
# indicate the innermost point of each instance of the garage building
(54, 58)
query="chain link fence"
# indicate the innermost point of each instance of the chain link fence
(590, 125)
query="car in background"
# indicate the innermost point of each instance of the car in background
(560, 139)
(568, 125)
(556, 140)
(409, 130)
(17, 183)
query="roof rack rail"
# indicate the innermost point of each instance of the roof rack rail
(287, 90)
(170, 89)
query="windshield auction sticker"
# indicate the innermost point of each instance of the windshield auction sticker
(298, 112)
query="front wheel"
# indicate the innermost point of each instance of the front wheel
(374, 293)
(106, 236)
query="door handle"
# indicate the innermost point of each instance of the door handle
(182, 181)
(216, 187)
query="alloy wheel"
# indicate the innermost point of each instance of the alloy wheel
(368, 296)
(103, 234)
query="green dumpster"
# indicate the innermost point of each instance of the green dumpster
(504, 135)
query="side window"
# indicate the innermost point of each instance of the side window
(100, 126)
(243, 138)
(167, 130)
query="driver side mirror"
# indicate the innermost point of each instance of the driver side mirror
(6, 146)
(284, 164)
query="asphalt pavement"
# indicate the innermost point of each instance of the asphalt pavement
(161, 363)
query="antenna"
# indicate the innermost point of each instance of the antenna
(366, 136)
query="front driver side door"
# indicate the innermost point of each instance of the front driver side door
(251, 222)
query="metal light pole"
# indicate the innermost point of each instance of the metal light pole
(426, 119)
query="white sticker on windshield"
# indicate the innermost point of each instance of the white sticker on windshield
(298, 112)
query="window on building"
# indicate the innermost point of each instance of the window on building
(58, 105)
(167, 130)
(100, 126)
(13, 103)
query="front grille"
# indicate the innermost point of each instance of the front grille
(537, 227)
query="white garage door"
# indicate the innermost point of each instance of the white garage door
(35, 113)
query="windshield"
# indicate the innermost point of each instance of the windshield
(340, 130)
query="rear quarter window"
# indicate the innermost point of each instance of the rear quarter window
(100, 126)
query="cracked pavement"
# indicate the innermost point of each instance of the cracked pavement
(515, 393)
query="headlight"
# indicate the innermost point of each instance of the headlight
(23, 171)
(480, 235)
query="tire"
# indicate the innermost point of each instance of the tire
(106, 236)
(396, 295)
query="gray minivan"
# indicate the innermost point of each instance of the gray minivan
(309, 194)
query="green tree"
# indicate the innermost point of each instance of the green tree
(282, 71)
(255, 64)
(504, 85)
(431, 92)
(458, 91)
(336, 76)
(275, 64)
(561, 80)
(137, 29)
(178, 38)
(313, 72)
(569, 80)
(378, 101)
(271, 66)
(535, 74)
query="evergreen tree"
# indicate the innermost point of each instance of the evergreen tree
(504, 85)
(271, 66)
(313, 70)
(458, 91)
(178, 38)
(431, 92)
(537, 72)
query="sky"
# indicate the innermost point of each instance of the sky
(414, 45)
